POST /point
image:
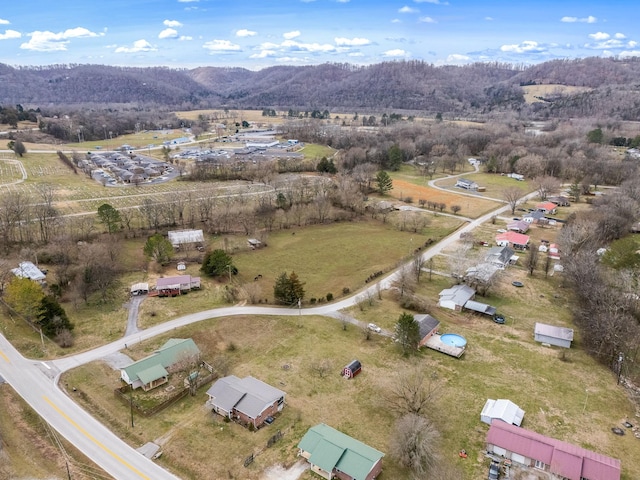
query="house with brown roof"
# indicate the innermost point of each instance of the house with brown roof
(560, 459)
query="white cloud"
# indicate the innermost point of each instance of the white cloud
(528, 46)
(426, 20)
(589, 19)
(185, 38)
(263, 54)
(172, 23)
(488, 19)
(630, 53)
(55, 42)
(4, 22)
(9, 34)
(603, 41)
(397, 52)
(458, 58)
(294, 59)
(245, 33)
(138, 46)
(221, 46)
(343, 1)
(396, 20)
(407, 9)
(294, 47)
(168, 33)
(356, 54)
(351, 42)
(290, 35)
(435, 2)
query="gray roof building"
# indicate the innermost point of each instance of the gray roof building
(232, 396)
(455, 297)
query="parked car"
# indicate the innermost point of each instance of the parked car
(498, 318)
(494, 471)
(374, 327)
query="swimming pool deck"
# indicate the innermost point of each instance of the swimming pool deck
(435, 343)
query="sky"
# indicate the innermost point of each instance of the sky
(256, 34)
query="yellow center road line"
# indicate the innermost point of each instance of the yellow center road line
(6, 359)
(94, 440)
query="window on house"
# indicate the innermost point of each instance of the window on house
(540, 465)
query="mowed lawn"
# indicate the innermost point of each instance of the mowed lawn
(329, 258)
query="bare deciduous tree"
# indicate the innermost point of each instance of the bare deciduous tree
(404, 281)
(531, 260)
(188, 364)
(512, 196)
(411, 391)
(414, 445)
(546, 186)
(321, 367)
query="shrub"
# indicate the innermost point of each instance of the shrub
(415, 303)
(329, 297)
(64, 338)
(346, 291)
(312, 301)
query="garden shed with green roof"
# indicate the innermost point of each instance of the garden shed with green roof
(153, 371)
(332, 454)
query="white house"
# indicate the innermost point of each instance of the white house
(466, 184)
(455, 297)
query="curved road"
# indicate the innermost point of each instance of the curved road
(37, 382)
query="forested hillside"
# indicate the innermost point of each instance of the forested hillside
(463, 91)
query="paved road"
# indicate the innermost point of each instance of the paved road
(31, 380)
(37, 382)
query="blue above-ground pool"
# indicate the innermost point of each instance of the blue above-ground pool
(453, 339)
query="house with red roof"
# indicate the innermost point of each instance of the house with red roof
(547, 207)
(515, 240)
(561, 459)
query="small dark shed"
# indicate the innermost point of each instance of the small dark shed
(353, 369)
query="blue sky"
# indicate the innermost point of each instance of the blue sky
(259, 33)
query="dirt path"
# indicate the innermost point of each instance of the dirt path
(278, 472)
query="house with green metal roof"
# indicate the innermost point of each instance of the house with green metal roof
(332, 454)
(153, 371)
